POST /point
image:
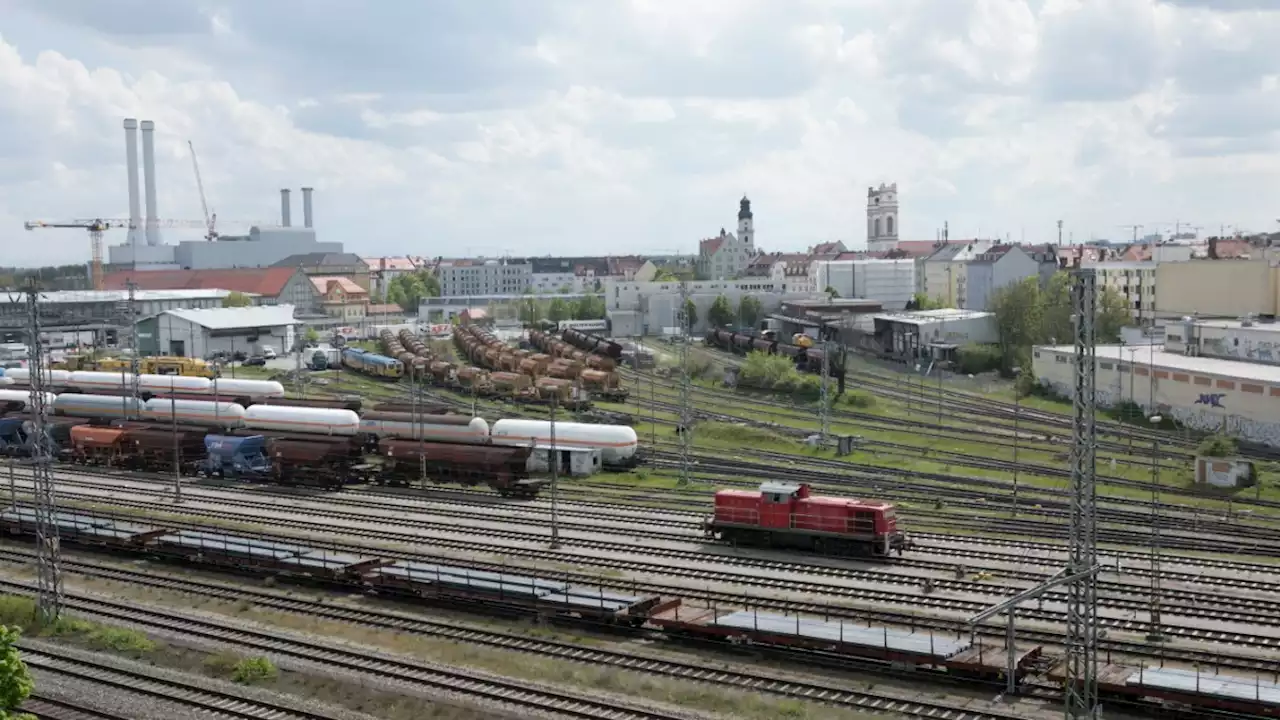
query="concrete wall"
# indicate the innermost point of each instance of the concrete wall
(263, 248)
(1222, 288)
(1210, 402)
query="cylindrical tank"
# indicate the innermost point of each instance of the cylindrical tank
(22, 397)
(96, 406)
(90, 380)
(22, 376)
(599, 380)
(5, 381)
(195, 412)
(616, 443)
(440, 428)
(256, 389)
(509, 381)
(308, 420)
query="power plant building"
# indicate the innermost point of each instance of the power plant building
(144, 249)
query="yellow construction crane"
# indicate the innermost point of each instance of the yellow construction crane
(95, 228)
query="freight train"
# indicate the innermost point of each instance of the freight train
(525, 376)
(785, 515)
(806, 358)
(372, 364)
(595, 372)
(489, 588)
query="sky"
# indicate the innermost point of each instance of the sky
(468, 127)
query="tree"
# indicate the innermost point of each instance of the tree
(408, 289)
(921, 301)
(589, 307)
(749, 311)
(1113, 314)
(720, 314)
(1019, 313)
(1056, 325)
(529, 313)
(831, 292)
(690, 314)
(15, 678)
(559, 310)
(236, 299)
(310, 335)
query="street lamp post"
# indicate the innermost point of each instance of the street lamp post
(1017, 414)
(1154, 633)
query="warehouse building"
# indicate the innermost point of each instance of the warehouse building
(933, 334)
(201, 333)
(1204, 393)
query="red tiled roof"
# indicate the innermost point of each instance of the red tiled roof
(828, 248)
(710, 246)
(387, 309)
(268, 282)
(922, 248)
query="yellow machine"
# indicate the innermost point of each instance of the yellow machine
(802, 340)
(189, 367)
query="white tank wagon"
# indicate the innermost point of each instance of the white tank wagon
(194, 412)
(251, 389)
(617, 443)
(303, 420)
(22, 376)
(22, 398)
(90, 380)
(96, 406)
(435, 428)
(5, 381)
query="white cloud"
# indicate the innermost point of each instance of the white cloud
(632, 125)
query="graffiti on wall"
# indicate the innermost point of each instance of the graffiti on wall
(1267, 351)
(1205, 417)
(1212, 400)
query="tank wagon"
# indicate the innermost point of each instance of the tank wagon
(784, 515)
(596, 373)
(617, 443)
(515, 374)
(234, 389)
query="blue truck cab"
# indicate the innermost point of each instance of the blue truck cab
(228, 456)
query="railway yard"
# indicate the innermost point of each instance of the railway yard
(472, 587)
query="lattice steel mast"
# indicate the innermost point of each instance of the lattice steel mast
(135, 391)
(686, 382)
(1081, 691)
(48, 548)
(825, 400)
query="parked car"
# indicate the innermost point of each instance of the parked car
(240, 356)
(254, 360)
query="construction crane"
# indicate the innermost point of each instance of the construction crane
(95, 228)
(210, 219)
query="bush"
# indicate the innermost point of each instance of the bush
(1217, 446)
(860, 400)
(976, 359)
(250, 671)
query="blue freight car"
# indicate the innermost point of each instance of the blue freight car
(229, 456)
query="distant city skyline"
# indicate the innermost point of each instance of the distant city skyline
(461, 128)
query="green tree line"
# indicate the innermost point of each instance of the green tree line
(1027, 315)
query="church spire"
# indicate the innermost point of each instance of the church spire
(744, 209)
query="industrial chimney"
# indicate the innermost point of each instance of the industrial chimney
(284, 207)
(131, 164)
(149, 180)
(306, 207)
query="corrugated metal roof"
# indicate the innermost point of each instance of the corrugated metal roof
(245, 317)
(1162, 360)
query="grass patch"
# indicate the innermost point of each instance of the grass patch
(20, 612)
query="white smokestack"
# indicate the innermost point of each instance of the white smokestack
(306, 207)
(284, 207)
(131, 164)
(149, 180)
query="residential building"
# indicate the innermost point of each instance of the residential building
(728, 255)
(385, 314)
(945, 275)
(1134, 281)
(892, 282)
(347, 265)
(882, 218)
(341, 298)
(382, 270)
(1004, 265)
(484, 276)
(268, 286)
(201, 333)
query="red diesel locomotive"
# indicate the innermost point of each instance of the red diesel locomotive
(783, 515)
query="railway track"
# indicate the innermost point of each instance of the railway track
(44, 707)
(770, 586)
(196, 698)
(396, 622)
(474, 685)
(1118, 596)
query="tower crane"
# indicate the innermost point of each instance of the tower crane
(95, 228)
(210, 219)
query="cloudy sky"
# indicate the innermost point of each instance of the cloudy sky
(449, 127)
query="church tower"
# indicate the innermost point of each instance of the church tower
(746, 231)
(882, 218)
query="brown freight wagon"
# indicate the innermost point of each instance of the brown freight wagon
(152, 447)
(504, 469)
(321, 461)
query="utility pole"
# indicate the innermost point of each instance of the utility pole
(553, 458)
(177, 463)
(1081, 676)
(686, 416)
(48, 547)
